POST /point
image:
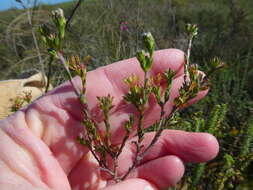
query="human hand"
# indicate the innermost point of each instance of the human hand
(39, 149)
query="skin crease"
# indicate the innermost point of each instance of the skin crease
(38, 144)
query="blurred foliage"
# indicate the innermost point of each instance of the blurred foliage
(109, 30)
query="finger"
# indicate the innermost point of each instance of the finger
(58, 129)
(163, 172)
(133, 184)
(189, 147)
(163, 164)
(86, 174)
(25, 158)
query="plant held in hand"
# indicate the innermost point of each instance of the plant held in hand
(140, 92)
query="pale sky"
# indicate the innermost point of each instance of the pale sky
(6, 4)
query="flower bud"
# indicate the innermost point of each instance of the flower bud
(149, 42)
(60, 21)
(216, 63)
(44, 30)
(141, 56)
(53, 53)
(192, 30)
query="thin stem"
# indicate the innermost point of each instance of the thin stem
(122, 144)
(136, 160)
(34, 37)
(146, 75)
(63, 61)
(108, 171)
(189, 51)
(49, 73)
(186, 66)
(73, 12)
(115, 165)
(140, 132)
(107, 127)
(142, 109)
(139, 127)
(101, 163)
(161, 125)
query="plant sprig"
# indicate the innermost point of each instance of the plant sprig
(100, 143)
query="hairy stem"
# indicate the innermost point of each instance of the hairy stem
(107, 128)
(160, 129)
(136, 160)
(139, 156)
(122, 145)
(140, 127)
(186, 65)
(63, 61)
(100, 162)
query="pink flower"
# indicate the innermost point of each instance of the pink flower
(123, 26)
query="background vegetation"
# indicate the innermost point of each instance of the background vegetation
(105, 31)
